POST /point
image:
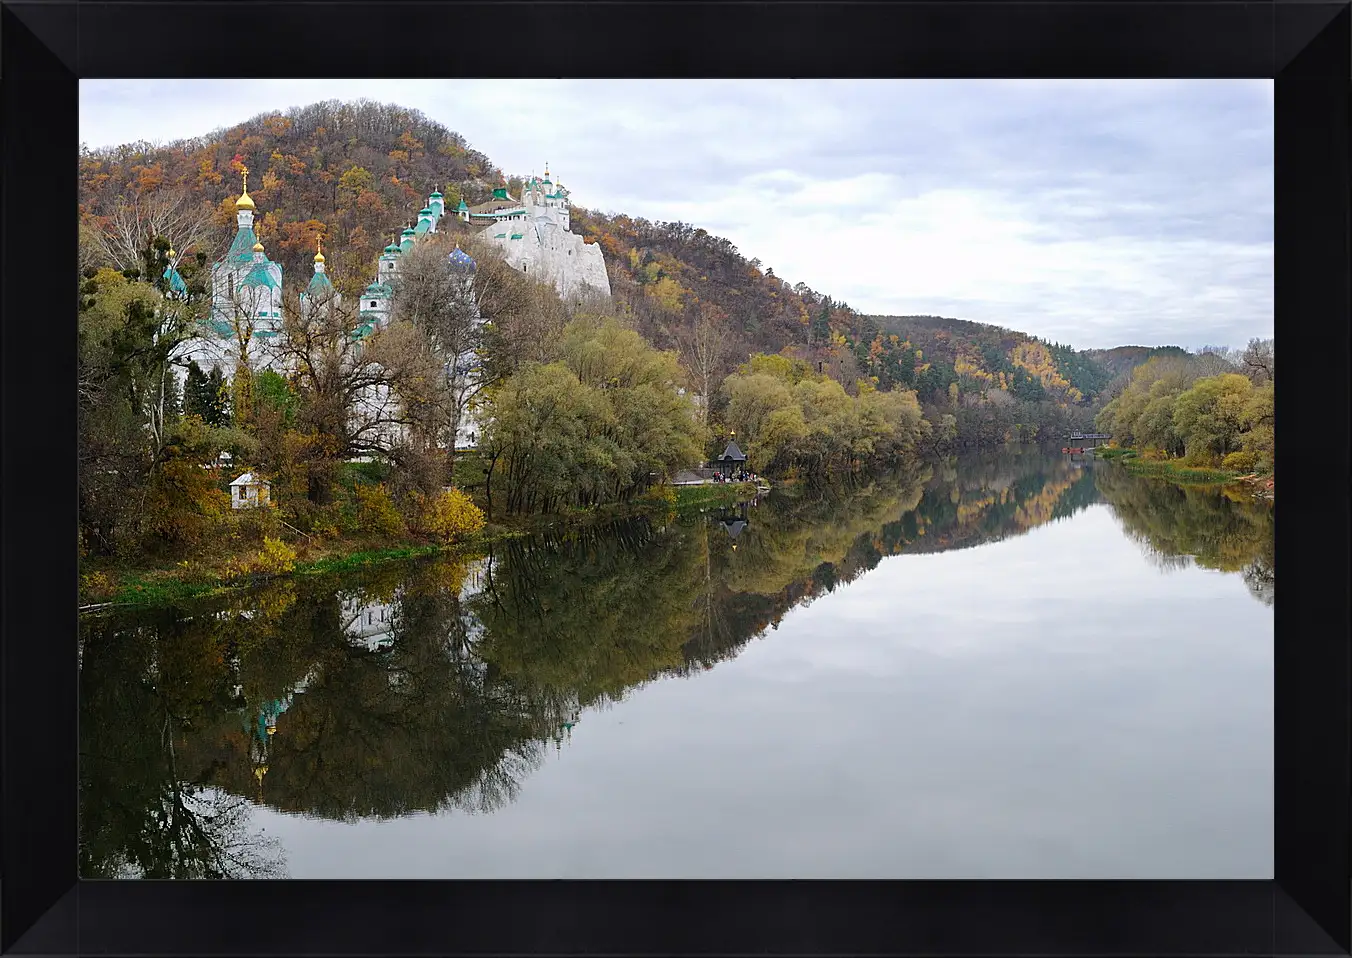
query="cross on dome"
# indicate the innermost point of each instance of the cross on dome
(244, 202)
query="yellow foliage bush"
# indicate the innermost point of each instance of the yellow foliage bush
(376, 512)
(451, 515)
(1240, 461)
(96, 585)
(275, 558)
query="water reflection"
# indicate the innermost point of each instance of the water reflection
(440, 686)
(1225, 530)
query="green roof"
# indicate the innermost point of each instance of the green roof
(392, 248)
(242, 249)
(436, 194)
(260, 275)
(462, 205)
(319, 287)
(378, 289)
(222, 328)
(176, 283)
(423, 227)
(407, 232)
(425, 211)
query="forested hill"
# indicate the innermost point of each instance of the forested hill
(676, 280)
(356, 173)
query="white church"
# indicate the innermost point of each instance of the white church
(534, 235)
(246, 312)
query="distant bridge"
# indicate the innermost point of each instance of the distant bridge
(1079, 438)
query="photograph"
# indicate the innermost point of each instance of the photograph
(675, 479)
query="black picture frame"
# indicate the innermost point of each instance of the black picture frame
(46, 47)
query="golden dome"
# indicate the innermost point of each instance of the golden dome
(272, 729)
(172, 254)
(258, 247)
(319, 253)
(244, 202)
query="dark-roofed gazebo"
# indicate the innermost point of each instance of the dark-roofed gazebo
(732, 459)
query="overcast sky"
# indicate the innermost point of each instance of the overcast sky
(1097, 213)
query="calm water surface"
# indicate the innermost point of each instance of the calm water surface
(1009, 666)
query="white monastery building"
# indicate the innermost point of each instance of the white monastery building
(246, 311)
(534, 235)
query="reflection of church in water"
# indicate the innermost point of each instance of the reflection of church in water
(261, 724)
(734, 520)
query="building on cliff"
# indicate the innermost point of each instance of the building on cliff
(533, 233)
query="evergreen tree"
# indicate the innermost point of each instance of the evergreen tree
(220, 399)
(822, 330)
(198, 399)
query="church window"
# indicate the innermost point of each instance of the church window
(373, 304)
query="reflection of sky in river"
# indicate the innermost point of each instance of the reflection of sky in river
(1049, 706)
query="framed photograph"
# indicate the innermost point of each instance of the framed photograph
(672, 513)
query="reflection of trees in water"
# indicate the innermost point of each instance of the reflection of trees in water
(798, 548)
(594, 614)
(981, 499)
(1178, 526)
(474, 687)
(1258, 575)
(143, 810)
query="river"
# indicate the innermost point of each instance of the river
(1004, 666)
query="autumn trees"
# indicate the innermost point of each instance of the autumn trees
(1182, 407)
(601, 421)
(131, 334)
(361, 391)
(356, 171)
(793, 418)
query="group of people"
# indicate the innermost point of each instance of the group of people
(739, 476)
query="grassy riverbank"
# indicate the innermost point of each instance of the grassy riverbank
(713, 495)
(110, 584)
(1176, 471)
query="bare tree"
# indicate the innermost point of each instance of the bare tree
(703, 347)
(360, 391)
(439, 301)
(1257, 361)
(137, 220)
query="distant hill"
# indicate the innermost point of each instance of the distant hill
(1120, 361)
